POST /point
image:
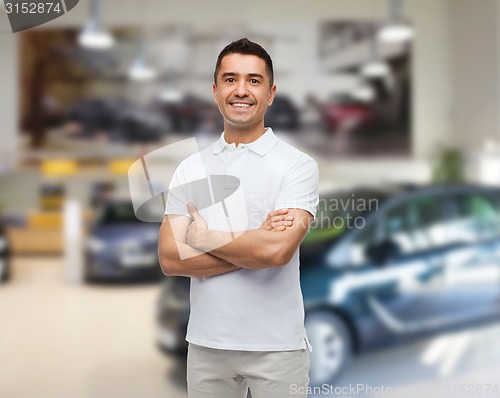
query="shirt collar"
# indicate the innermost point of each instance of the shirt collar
(261, 145)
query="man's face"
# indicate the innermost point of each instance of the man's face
(243, 90)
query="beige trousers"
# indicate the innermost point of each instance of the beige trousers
(214, 373)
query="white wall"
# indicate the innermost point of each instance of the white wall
(432, 97)
(475, 72)
(9, 106)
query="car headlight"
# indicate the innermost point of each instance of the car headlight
(95, 245)
(130, 246)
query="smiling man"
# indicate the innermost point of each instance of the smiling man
(246, 327)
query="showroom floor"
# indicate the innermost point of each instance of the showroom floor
(59, 340)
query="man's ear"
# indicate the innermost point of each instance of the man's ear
(272, 92)
(216, 97)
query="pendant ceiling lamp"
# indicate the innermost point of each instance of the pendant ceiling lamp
(364, 93)
(375, 67)
(93, 35)
(170, 94)
(397, 30)
(140, 70)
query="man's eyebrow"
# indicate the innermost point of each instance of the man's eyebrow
(229, 74)
(255, 75)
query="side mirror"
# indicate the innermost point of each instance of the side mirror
(381, 252)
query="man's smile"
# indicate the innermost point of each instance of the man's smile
(240, 105)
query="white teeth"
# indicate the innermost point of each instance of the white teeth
(239, 105)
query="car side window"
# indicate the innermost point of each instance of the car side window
(476, 218)
(397, 227)
(365, 239)
(428, 211)
(416, 225)
(431, 225)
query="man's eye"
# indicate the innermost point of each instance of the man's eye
(230, 80)
(254, 81)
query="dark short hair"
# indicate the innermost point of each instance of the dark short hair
(245, 47)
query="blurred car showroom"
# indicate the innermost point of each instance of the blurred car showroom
(397, 101)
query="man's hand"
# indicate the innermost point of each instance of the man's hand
(277, 220)
(197, 229)
(253, 249)
(179, 259)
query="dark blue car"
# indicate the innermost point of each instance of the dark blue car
(384, 266)
(120, 247)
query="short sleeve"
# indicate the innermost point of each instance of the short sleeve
(300, 187)
(177, 196)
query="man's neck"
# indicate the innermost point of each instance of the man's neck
(243, 136)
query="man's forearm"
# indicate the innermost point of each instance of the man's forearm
(187, 261)
(251, 249)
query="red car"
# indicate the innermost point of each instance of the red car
(346, 115)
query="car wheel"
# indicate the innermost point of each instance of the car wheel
(332, 346)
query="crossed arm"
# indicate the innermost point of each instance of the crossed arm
(188, 248)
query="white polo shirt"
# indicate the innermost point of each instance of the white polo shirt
(249, 309)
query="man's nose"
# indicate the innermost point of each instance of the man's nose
(241, 89)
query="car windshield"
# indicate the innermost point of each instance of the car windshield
(117, 213)
(340, 212)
